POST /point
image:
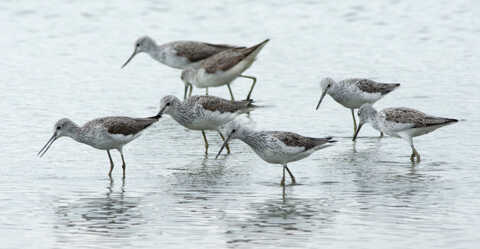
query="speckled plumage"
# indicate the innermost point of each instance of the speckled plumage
(228, 58)
(295, 140)
(416, 119)
(276, 147)
(102, 133)
(214, 104)
(405, 123)
(122, 125)
(222, 68)
(370, 86)
(353, 93)
(204, 112)
(195, 51)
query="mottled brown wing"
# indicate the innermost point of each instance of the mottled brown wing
(197, 51)
(126, 125)
(371, 86)
(213, 104)
(294, 140)
(223, 60)
(412, 116)
(228, 58)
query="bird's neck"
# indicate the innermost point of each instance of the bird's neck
(75, 133)
(158, 53)
(253, 139)
(182, 113)
(374, 122)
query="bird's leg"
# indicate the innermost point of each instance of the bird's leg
(206, 142)
(230, 90)
(414, 154)
(111, 164)
(253, 84)
(354, 122)
(185, 92)
(124, 166)
(190, 92)
(223, 139)
(206, 91)
(282, 183)
(414, 151)
(291, 175)
(381, 134)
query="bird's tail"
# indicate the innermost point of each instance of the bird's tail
(324, 142)
(254, 50)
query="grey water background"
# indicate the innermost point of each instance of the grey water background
(62, 59)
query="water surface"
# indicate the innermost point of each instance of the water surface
(63, 58)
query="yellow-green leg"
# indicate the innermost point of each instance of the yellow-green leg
(253, 84)
(111, 164)
(291, 175)
(185, 92)
(206, 142)
(231, 93)
(354, 122)
(226, 145)
(124, 165)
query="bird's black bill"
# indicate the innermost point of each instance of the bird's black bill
(130, 58)
(356, 132)
(160, 113)
(47, 145)
(321, 98)
(223, 145)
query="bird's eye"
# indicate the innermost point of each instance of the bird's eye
(168, 104)
(58, 127)
(138, 45)
(233, 130)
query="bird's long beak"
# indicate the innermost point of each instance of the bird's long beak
(223, 145)
(47, 145)
(356, 132)
(130, 58)
(160, 113)
(321, 98)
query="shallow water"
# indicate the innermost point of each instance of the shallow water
(63, 58)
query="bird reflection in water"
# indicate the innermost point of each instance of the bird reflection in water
(111, 214)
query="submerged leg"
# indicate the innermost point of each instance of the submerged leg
(381, 134)
(282, 182)
(291, 175)
(111, 164)
(230, 90)
(414, 154)
(223, 139)
(414, 151)
(124, 166)
(253, 84)
(206, 91)
(206, 142)
(354, 122)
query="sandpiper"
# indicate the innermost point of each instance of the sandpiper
(353, 93)
(222, 68)
(103, 133)
(204, 112)
(276, 147)
(401, 122)
(178, 54)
